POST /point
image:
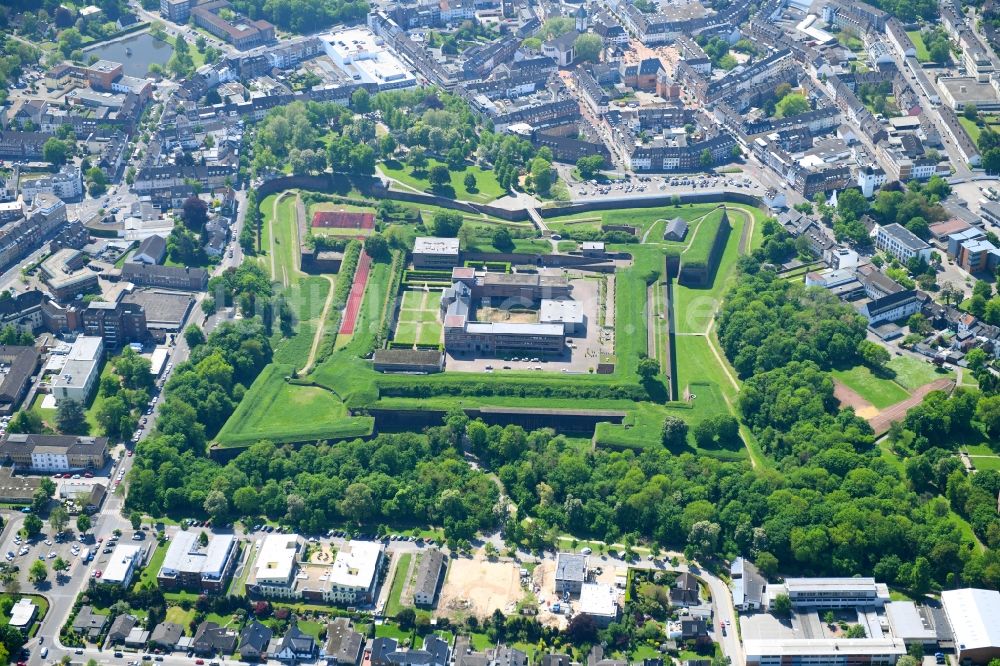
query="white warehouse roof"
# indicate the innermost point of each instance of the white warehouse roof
(973, 614)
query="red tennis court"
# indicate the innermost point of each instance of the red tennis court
(357, 293)
(342, 219)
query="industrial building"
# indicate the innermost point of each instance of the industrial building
(974, 615)
(835, 592)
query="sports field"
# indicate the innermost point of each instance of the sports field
(879, 391)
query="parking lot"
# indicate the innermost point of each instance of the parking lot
(665, 185)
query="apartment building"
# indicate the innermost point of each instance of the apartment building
(54, 453)
(901, 243)
(116, 323)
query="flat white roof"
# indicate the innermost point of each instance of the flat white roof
(802, 585)
(277, 556)
(121, 560)
(503, 328)
(158, 360)
(906, 623)
(973, 614)
(186, 555)
(22, 613)
(823, 646)
(560, 311)
(355, 564)
(358, 49)
(86, 348)
(598, 599)
(432, 245)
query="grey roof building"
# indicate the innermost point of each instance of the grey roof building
(121, 628)
(88, 623)
(676, 230)
(571, 572)
(428, 575)
(167, 635)
(254, 640)
(343, 644)
(152, 250)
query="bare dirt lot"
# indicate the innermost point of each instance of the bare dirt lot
(480, 587)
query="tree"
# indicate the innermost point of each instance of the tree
(446, 224)
(58, 519)
(781, 606)
(502, 240)
(589, 166)
(541, 175)
(940, 52)
(70, 417)
(674, 432)
(582, 629)
(25, 422)
(83, 523)
(406, 618)
(194, 336)
(97, 181)
(417, 158)
(38, 572)
(587, 47)
(851, 204)
(470, 182)
(361, 101)
(705, 159)
(970, 112)
(55, 151)
(439, 176)
(377, 247)
(358, 503)
(988, 413)
(194, 212)
(216, 505)
(32, 525)
(855, 631)
(647, 368)
(875, 356)
(60, 565)
(792, 104)
(135, 518)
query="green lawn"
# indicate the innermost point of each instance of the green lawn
(918, 42)
(406, 333)
(971, 127)
(96, 403)
(984, 463)
(912, 374)
(879, 391)
(178, 615)
(487, 187)
(392, 630)
(273, 409)
(394, 603)
(148, 574)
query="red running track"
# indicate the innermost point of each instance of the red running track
(357, 293)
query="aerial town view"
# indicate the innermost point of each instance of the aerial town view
(500, 332)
